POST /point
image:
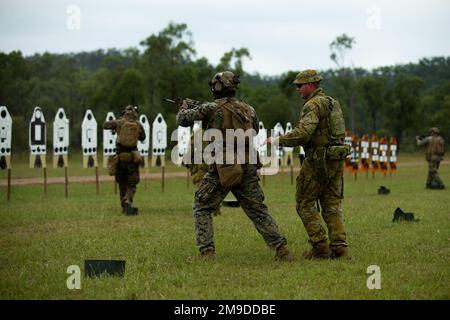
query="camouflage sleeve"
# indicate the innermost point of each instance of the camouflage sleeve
(110, 125)
(306, 126)
(141, 133)
(187, 117)
(424, 141)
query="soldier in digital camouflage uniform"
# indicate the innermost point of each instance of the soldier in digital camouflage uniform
(435, 149)
(321, 176)
(226, 112)
(127, 159)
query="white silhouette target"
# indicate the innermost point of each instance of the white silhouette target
(38, 133)
(184, 138)
(5, 132)
(302, 152)
(143, 146)
(159, 137)
(288, 129)
(60, 133)
(278, 131)
(89, 134)
(258, 140)
(109, 138)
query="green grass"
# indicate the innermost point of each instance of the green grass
(40, 238)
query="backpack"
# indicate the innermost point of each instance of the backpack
(438, 146)
(336, 122)
(129, 134)
(236, 115)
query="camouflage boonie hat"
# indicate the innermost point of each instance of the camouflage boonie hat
(307, 76)
(225, 79)
(434, 130)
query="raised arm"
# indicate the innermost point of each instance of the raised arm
(303, 131)
(187, 116)
(110, 125)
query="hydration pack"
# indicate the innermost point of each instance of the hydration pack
(129, 134)
(336, 122)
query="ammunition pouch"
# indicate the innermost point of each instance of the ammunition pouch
(230, 175)
(338, 152)
(136, 157)
(112, 164)
(128, 157)
(125, 157)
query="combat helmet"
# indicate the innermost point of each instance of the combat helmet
(307, 76)
(130, 112)
(434, 130)
(224, 81)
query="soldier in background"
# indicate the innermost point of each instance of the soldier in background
(321, 131)
(125, 164)
(435, 150)
(226, 112)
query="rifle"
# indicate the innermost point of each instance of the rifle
(189, 102)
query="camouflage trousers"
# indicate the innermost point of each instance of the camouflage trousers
(329, 195)
(127, 176)
(433, 179)
(198, 171)
(211, 193)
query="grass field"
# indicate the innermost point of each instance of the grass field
(40, 238)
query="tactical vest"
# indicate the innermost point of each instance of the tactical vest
(128, 134)
(435, 147)
(331, 128)
(235, 115)
(327, 141)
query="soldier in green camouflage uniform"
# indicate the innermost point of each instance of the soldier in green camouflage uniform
(435, 148)
(321, 176)
(127, 160)
(212, 191)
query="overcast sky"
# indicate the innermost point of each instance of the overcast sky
(281, 35)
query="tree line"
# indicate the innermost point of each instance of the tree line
(401, 100)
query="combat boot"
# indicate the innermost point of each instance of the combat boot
(339, 252)
(283, 254)
(319, 250)
(128, 210)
